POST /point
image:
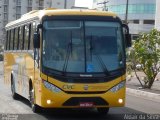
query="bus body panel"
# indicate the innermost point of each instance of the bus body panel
(21, 67)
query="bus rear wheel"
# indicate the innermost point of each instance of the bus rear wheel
(14, 94)
(103, 111)
(35, 108)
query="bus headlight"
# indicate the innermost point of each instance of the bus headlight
(51, 86)
(118, 87)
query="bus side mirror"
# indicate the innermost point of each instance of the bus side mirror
(128, 40)
(127, 35)
(36, 40)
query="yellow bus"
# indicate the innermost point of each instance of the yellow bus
(67, 59)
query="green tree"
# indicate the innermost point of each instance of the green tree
(146, 53)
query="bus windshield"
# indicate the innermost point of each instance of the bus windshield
(82, 46)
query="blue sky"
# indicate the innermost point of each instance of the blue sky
(84, 3)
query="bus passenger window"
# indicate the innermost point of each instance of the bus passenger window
(20, 38)
(9, 37)
(16, 39)
(6, 43)
(26, 37)
(13, 39)
(29, 36)
(23, 37)
(18, 43)
(32, 30)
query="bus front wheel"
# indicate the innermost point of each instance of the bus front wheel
(103, 111)
(35, 108)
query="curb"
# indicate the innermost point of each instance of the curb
(144, 94)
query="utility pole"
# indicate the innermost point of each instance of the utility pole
(65, 4)
(126, 15)
(104, 5)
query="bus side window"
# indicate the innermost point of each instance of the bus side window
(13, 39)
(23, 37)
(29, 37)
(9, 37)
(26, 37)
(20, 38)
(16, 39)
(6, 43)
(32, 30)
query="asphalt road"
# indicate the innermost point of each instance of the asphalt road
(20, 109)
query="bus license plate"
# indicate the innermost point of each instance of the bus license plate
(86, 104)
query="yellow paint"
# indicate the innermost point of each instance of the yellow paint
(80, 87)
(22, 66)
(59, 98)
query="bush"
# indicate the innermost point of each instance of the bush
(146, 52)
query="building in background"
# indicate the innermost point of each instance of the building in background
(157, 16)
(13, 9)
(141, 13)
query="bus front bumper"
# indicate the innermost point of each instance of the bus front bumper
(60, 99)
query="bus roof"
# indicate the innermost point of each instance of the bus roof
(38, 14)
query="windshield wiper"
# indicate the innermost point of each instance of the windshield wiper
(99, 59)
(69, 51)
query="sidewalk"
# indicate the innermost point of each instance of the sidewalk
(133, 87)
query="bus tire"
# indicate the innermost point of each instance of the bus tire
(15, 96)
(35, 108)
(103, 111)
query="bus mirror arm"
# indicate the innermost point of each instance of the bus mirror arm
(128, 40)
(36, 40)
(127, 35)
(39, 26)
